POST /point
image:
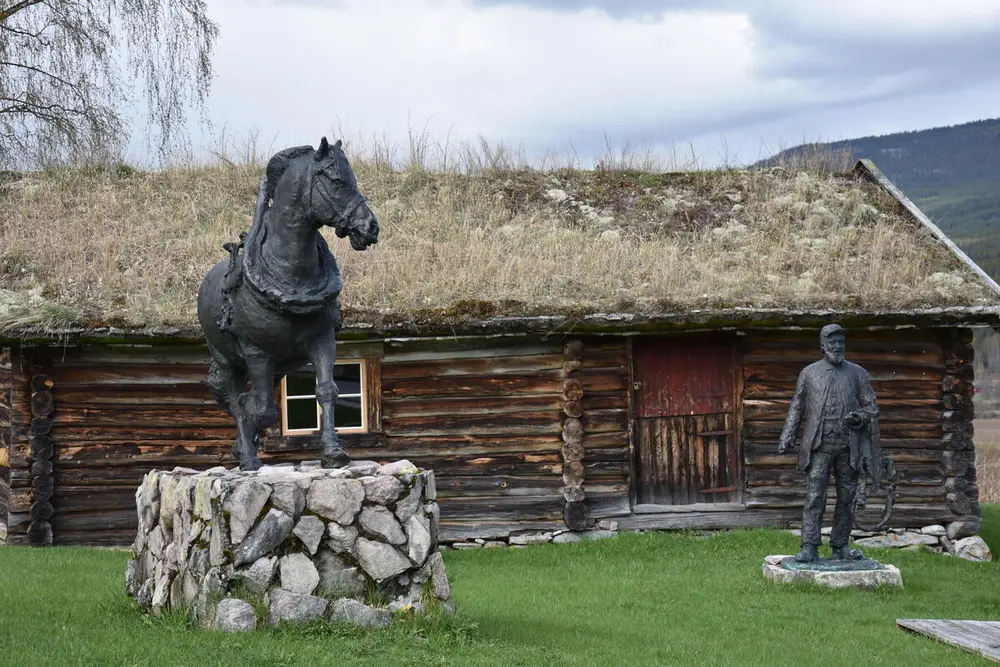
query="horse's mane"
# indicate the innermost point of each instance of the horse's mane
(279, 162)
(270, 289)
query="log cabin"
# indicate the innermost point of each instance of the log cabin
(636, 366)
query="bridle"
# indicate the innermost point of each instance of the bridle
(343, 216)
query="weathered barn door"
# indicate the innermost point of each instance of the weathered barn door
(685, 421)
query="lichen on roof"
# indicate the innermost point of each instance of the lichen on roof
(91, 247)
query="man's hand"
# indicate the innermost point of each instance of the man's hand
(855, 420)
(784, 447)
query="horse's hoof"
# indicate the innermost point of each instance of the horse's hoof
(335, 458)
(251, 463)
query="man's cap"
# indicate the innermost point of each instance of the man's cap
(831, 329)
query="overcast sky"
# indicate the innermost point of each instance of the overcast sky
(735, 80)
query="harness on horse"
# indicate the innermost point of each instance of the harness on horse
(248, 268)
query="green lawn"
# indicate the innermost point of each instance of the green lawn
(656, 598)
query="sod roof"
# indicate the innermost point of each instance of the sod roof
(86, 249)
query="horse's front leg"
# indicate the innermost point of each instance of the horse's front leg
(324, 357)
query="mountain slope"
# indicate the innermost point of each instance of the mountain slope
(951, 173)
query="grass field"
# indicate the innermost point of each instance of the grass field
(640, 599)
(988, 459)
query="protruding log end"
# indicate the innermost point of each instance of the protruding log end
(40, 534)
(575, 515)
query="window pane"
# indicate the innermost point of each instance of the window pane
(347, 414)
(299, 384)
(302, 413)
(348, 378)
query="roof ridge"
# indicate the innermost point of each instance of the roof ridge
(867, 169)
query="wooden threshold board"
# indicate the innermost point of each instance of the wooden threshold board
(982, 637)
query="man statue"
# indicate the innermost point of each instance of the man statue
(840, 434)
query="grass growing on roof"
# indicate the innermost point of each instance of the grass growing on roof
(655, 598)
(130, 248)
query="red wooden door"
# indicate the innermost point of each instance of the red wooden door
(685, 426)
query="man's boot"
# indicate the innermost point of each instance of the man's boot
(808, 554)
(846, 553)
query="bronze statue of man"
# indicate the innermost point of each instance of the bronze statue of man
(840, 434)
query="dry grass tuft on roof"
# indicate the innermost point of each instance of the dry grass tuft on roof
(85, 246)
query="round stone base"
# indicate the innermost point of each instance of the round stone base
(289, 543)
(823, 575)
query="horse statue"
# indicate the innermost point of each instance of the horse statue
(275, 304)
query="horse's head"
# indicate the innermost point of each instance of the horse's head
(334, 198)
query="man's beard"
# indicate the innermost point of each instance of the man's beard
(835, 358)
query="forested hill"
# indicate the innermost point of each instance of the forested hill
(951, 173)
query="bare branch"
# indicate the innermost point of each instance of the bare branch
(14, 9)
(68, 69)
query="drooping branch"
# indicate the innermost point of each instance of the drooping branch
(15, 8)
(69, 68)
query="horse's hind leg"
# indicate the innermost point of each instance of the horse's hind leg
(228, 384)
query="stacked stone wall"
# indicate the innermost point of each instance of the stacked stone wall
(288, 543)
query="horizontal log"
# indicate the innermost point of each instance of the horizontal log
(890, 410)
(503, 464)
(912, 474)
(540, 382)
(754, 430)
(422, 349)
(312, 442)
(485, 365)
(450, 486)
(781, 496)
(167, 454)
(126, 453)
(121, 537)
(146, 374)
(605, 400)
(135, 394)
(608, 359)
(607, 505)
(519, 508)
(149, 416)
(112, 355)
(784, 371)
(518, 423)
(476, 405)
(619, 454)
(767, 455)
(611, 439)
(863, 352)
(126, 434)
(178, 354)
(76, 499)
(99, 521)
(605, 421)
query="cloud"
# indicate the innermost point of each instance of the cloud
(547, 73)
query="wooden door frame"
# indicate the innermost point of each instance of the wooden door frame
(735, 340)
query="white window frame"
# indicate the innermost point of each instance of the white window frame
(319, 411)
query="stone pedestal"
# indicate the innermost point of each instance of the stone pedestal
(288, 543)
(832, 574)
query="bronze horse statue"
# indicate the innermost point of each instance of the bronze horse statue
(275, 304)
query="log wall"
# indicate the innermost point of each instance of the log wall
(5, 437)
(524, 433)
